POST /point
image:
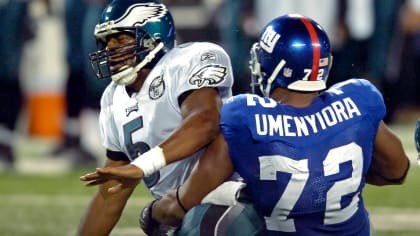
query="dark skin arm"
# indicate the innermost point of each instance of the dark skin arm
(200, 111)
(213, 168)
(105, 208)
(389, 163)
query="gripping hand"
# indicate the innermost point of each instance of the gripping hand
(149, 225)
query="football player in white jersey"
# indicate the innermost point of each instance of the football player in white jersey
(162, 105)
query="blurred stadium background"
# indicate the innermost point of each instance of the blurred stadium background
(42, 194)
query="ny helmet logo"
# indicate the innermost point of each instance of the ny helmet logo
(269, 39)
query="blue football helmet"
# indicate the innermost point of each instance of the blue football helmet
(149, 21)
(293, 52)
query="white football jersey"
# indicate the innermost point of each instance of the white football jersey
(134, 123)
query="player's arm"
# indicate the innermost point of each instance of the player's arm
(200, 111)
(105, 208)
(213, 168)
(390, 163)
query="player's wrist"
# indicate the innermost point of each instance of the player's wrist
(178, 200)
(150, 161)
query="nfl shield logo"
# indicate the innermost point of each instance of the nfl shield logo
(287, 72)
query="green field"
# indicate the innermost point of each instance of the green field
(52, 204)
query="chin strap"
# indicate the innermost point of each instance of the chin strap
(129, 75)
(273, 76)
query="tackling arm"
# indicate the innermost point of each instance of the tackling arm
(213, 168)
(389, 164)
(200, 111)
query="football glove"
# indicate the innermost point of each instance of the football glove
(147, 223)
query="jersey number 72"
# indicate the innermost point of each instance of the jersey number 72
(279, 219)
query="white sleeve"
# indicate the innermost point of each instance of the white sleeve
(205, 65)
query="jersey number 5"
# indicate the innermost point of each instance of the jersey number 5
(135, 149)
(279, 219)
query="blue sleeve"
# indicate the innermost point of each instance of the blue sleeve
(374, 100)
(366, 94)
(233, 117)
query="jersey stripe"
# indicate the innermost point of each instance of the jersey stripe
(316, 48)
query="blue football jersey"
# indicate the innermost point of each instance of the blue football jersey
(305, 167)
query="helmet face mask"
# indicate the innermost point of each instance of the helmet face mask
(152, 28)
(293, 52)
(106, 59)
(256, 74)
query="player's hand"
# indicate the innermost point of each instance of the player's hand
(126, 176)
(151, 226)
(167, 210)
(147, 223)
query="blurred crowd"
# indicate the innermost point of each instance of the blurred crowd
(374, 39)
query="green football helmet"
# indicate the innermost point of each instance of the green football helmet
(150, 22)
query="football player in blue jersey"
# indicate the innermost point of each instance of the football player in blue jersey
(163, 103)
(304, 151)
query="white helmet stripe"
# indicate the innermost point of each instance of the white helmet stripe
(273, 76)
